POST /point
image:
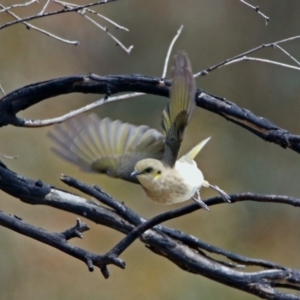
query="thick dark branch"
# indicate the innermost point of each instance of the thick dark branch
(39, 193)
(185, 251)
(258, 283)
(196, 244)
(75, 231)
(127, 214)
(143, 225)
(27, 96)
(122, 210)
(246, 119)
(59, 241)
(30, 95)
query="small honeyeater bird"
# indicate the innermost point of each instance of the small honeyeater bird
(140, 154)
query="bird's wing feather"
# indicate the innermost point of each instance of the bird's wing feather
(180, 107)
(106, 146)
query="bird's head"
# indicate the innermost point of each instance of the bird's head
(148, 169)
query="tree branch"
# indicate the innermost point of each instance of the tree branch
(256, 8)
(27, 96)
(186, 251)
(60, 241)
(52, 13)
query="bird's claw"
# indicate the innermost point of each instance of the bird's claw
(223, 194)
(200, 202)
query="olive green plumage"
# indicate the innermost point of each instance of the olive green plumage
(114, 147)
(106, 146)
(140, 154)
(179, 108)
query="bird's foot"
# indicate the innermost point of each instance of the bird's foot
(199, 201)
(223, 194)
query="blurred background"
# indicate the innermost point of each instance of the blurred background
(234, 159)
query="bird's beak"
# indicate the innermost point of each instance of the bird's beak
(134, 173)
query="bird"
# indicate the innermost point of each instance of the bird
(140, 154)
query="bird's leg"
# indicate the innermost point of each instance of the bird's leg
(223, 194)
(199, 201)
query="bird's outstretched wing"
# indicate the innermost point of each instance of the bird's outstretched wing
(106, 146)
(180, 107)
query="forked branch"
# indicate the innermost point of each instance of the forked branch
(27, 96)
(186, 251)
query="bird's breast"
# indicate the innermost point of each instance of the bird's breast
(190, 174)
(174, 185)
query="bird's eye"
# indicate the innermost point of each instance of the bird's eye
(158, 172)
(148, 170)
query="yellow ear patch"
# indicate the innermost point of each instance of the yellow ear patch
(157, 176)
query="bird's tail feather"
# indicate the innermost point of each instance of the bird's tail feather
(193, 153)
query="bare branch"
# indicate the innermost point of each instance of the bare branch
(59, 241)
(197, 244)
(28, 25)
(8, 156)
(2, 90)
(104, 29)
(76, 231)
(256, 8)
(185, 251)
(81, 9)
(244, 54)
(18, 5)
(287, 53)
(27, 96)
(44, 7)
(142, 227)
(164, 73)
(73, 113)
(95, 13)
(94, 191)
(65, 10)
(248, 58)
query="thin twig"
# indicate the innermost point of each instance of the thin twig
(27, 96)
(47, 122)
(8, 156)
(287, 53)
(2, 90)
(247, 58)
(44, 7)
(18, 5)
(93, 12)
(28, 25)
(256, 8)
(107, 19)
(71, 114)
(169, 52)
(246, 53)
(105, 29)
(52, 13)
